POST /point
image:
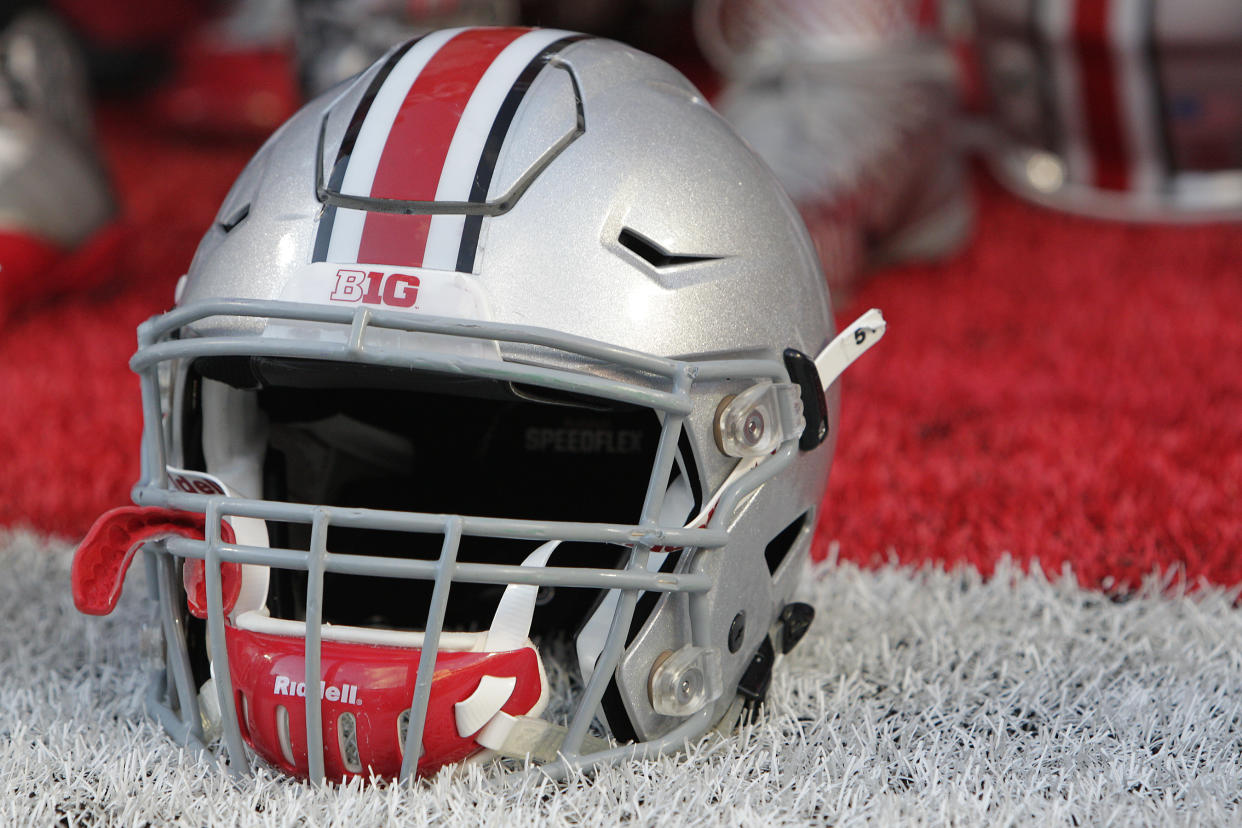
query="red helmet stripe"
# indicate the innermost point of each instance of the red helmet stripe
(413, 156)
(429, 125)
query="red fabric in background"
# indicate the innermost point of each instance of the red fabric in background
(1065, 390)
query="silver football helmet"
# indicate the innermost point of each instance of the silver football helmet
(1123, 110)
(54, 193)
(509, 340)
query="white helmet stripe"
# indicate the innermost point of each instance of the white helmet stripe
(451, 148)
(364, 154)
(466, 150)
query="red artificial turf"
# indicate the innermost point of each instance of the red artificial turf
(1064, 390)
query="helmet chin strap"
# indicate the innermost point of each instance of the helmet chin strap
(678, 503)
(510, 627)
(510, 630)
(480, 715)
(853, 341)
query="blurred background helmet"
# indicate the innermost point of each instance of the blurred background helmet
(1126, 110)
(853, 104)
(54, 194)
(337, 39)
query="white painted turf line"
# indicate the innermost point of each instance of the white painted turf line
(919, 697)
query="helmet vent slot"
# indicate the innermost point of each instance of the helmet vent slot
(282, 733)
(779, 547)
(403, 728)
(235, 218)
(654, 254)
(347, 741)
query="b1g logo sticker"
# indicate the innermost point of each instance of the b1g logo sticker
(396, 290)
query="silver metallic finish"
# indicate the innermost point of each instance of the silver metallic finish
(571, 309)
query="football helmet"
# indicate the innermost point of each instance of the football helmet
(1125, 110)
(47, 162)
(852, 103)
(493, 418)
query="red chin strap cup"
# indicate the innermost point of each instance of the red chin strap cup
(104, 555)
(364, 692)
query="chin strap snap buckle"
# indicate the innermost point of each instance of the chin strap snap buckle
(790, 627)
(529, 737)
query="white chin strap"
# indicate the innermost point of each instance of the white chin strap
(678, 501)
(480, 715)
(853, 341)
(510, 629)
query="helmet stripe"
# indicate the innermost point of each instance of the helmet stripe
(472, 226)
(516, 66)
(323, 235)
(435, 122)
(419, 140)
(378, 111)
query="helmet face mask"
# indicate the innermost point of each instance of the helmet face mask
(347, 547)
(378, 494)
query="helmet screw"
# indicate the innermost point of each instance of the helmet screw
(753, 428)
(737, 631)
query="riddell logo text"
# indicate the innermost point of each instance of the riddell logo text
(343, 693)
(397, 290)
